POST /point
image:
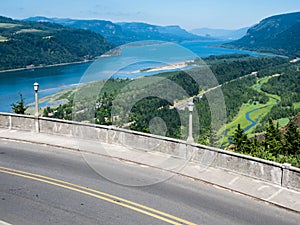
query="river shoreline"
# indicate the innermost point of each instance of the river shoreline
(45, 66)
(51, 80)
(168, 67)
(114, 52)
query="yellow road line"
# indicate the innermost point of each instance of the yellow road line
(100, 195)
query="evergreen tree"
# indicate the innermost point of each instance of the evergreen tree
(240, 140)
(213, 138)
(19, 106)
(292, 140)
(273, 139)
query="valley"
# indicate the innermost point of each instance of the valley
(257, 89)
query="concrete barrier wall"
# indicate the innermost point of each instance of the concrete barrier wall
(250, 166)
(242, 164)
(18, 122)
(291, 177)
(281, 174)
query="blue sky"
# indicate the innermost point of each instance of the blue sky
(189, 14)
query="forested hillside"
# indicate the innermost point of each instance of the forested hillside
(236, 91)
(122, 33)
(265, 88)
(25, 44)
(278, 34)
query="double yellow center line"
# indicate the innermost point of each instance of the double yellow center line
(98, 194)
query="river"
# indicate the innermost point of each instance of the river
(54, 79)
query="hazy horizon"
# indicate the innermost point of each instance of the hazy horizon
(191, 14)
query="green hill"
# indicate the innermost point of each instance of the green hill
(121, 33)
(24, 43)
(277, 34)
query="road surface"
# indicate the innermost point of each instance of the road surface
(46, 185)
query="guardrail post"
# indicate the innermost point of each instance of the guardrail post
(190, 151)
(285, 174)
(9, 123)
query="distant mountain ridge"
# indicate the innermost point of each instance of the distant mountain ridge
(111, 32)
(27, 44)
(146, 31)
(221, 33)
(278, 34)
(121, 33)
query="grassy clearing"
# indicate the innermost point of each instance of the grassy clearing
(264, 80)
(296, 105)
(274, 98)
(261, 111)
(28, 31)
(259, 114)
(8, 25)
(261, 81)
(283, 122)
(3, 39)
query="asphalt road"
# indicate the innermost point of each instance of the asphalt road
(45, 185)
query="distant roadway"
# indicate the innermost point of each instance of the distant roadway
(46, 185)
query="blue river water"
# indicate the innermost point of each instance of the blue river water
(253, 122)
(54, 79)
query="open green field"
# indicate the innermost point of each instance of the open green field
(261, 111)
(283, 122)
(258, 112)
(296, 105)
(3, 39)
(28, 31)
(264, 80)
(8, 25)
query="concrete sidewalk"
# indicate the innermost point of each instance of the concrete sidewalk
(229, 180)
